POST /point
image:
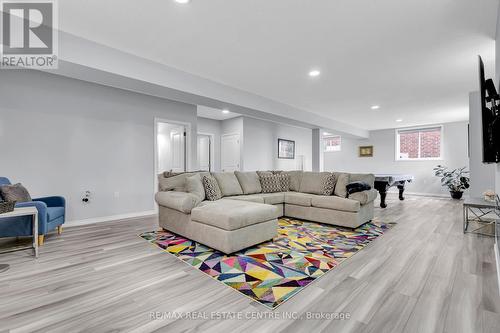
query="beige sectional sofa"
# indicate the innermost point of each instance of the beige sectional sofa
(245, 216)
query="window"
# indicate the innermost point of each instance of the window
(419, 143)
(331, 142)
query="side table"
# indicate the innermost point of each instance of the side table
(482, 214)
(25, 211)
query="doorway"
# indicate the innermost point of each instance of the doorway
(171, 147)
(205, 152)
(230, 152)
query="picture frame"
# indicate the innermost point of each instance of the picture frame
(365, 151)
(286, 149)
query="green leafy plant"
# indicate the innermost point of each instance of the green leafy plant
(456, 180)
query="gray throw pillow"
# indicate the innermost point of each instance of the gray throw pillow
(271, 184)
(16, 192)
(249, 182)
(212, 190)
(194, 185)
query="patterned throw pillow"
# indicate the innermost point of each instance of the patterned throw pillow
(271, 184)
(285, 182)
(329, 184)
(212, 190)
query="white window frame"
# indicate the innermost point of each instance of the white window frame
(418, 128)
(331, 136)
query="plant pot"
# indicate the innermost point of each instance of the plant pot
(456, 195)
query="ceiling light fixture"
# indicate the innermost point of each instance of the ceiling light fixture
(399, 120)
(182, 1)
(375, 107)
(314, 73)
(225, 111)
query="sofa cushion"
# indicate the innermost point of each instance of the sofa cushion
(271, 184)
(273, 198)
(299, 199)
(212, 189)
(176, 182)
(249, 182)
(181, 201)
(228, 183)
(340, 187)
(16, 192)
(336, 203)
(363, 177)
(250, 197)
(234, 214)
(364, 197)
(313, 182)
(295, 179)
(54, 213)
(194, 185)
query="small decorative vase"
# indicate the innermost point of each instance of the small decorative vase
(456, 195)
(490, 196)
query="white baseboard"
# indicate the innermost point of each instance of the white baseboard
(111, 218)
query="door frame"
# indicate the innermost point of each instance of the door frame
(222, 151)
(212, 148)
(187, 152)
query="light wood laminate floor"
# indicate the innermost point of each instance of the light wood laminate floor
(424, 275)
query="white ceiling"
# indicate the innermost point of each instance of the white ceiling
(414, 58)
(211, 113)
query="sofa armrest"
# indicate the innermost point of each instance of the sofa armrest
(52, 201)
(364, 197)
(181, 201)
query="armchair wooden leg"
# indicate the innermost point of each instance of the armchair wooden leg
(59, 229)
(41, 238)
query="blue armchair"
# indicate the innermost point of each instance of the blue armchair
(51, 215)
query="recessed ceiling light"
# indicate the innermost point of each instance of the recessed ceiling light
(182, 1)
(314, 73)
(225, 111)
(375, 107)
(399, 120)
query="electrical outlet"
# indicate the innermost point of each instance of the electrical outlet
(87, 195)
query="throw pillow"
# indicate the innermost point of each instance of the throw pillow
(329, 184)
(212, 190)
(249, 182)
(342, 180)
(285, 182)
(228, 183)
(271, 184)
(16, 192)
(194, 185)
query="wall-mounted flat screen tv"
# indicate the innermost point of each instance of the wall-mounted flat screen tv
(490, 117)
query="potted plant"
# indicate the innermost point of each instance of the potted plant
(456, 180)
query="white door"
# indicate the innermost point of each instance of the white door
(230, 152)
(178, 150)
(204, 152)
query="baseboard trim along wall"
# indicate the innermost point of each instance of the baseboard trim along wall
(147, 213)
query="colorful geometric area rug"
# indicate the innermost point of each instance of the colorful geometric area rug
(272, 272)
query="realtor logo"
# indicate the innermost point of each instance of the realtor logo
(29, 34)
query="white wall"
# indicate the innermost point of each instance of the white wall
(211, 126)
(261, 145)
(61, 136)
(383, 161)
